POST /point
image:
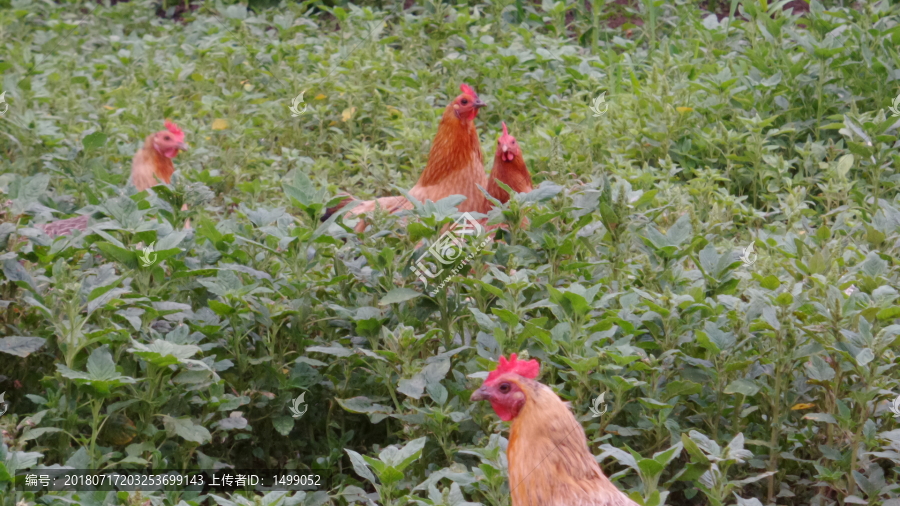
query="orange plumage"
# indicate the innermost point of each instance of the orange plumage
(152, 161)
(509, 168)
(550, 463)
(455, 165)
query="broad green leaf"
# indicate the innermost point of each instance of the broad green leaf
(819, 370)
(101, 372)
(113, 252)
(398, 295)
(186, 428)
(15, 271)
(409, 453)
(163, 353)
(283, 424)
(359, 465)
(650, 468)
(864, 357)
(37, 432)
(21, 346)
(744, 387)
(94, 141)
(682, 388)
(413, 387)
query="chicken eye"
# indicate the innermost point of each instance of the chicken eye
(165, 138)
(504, 388)
(465, 101)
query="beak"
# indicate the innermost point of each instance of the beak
(480, 395)
(478, 103)
(504, 148)
(183, 146)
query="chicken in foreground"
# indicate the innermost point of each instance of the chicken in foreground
(455, 165)
(550, 463)
(152, 161)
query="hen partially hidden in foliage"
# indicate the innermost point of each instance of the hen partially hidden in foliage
(152, 161)
(509, 168)
(455, 165)
(550, 463)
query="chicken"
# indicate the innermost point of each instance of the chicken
(455, 165)
(153, 160)
(509, 168)
(550, 463)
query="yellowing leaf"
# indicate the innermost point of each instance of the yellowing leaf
(348, 113)
(394, 110)
(798, 407)
(320, 97)
(684, 109)
(118, 430)
(109, 107)
(220, 124)
(248, 87)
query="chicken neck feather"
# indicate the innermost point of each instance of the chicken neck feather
(148, 164)
(550, 463)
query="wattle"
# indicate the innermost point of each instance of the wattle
(504, 412)
(170, 153)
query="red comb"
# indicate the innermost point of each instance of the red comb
(468, 90)
(505, 131)
(174, 130)
(525, 368)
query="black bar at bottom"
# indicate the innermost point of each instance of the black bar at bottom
(200, 480)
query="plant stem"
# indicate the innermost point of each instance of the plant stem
(854, 445)
(96, 404)
(819, 89)
(776, 432)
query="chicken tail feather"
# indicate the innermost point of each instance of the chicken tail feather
(331, 210)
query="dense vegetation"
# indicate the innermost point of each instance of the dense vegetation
(771, 381)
